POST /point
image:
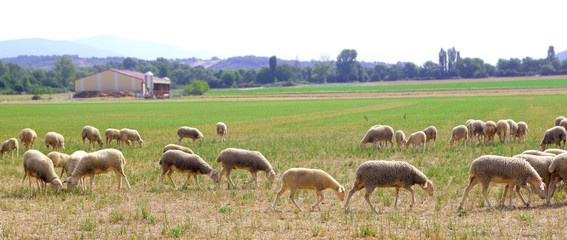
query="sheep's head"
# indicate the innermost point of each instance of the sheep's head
(428, 186)
(71, 182)
(56, 184)
(538, 186)
(215, 176)
(99, 141)
(341, 193)
(271, 176)
(141, 141)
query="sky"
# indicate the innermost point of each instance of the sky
(381, 31)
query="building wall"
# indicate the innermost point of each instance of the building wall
(108, 81)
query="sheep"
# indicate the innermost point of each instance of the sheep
(93, 135)
(72, 162)
(253, 161)
(222, 130)
(498, 169)
(558, 171)
(431, 133)
(376, 134)
(502, 129)
(400, 138)
(129, 135)
(538, 153)
(475, 129)
(55, 140)
(27, 137)
(177, 147)
(40, 167)
(112, 134)
(513, 129)
(563, 123)
(540, 164)
(189, 132)
(10, 145)
(306, 178)
(101, 161)
(416, 139)
(458, 133)
(558, 120)
(522, 131)
(383, 174)
(555, 135)
(489, 131)
(59, 160)
(555, 151)
(179, 161)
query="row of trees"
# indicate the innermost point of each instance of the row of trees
(346, 68)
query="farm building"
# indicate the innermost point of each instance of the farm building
(114, 80)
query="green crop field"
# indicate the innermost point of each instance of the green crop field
(292, 133)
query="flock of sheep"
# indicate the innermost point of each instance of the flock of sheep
(541, 169)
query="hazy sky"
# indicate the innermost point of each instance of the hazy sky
(387, 31)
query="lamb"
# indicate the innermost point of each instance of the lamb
(558, 172)
(382, 174)
(10, 145)
(558, 120)
(101, 161)
(376, 134)
(502, 129)
(489, 131)
(59, 160)
(498, 169)
(55, 140)
(129, 135)
(306, 178)
(93, 135)
(40, 167)
(513, 129)
(189, 132)
(253, 161)
(458, 133)
(112, 134)
(222, 130)
(28, 136)
(555, 135)
(179, 161)
(177, 147)
(416, 139)
(555, 151)
(400, 138)
(522, 131)
(72, 162)
(431, 133)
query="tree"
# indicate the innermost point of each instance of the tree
(230, 78)
(264, 76)
(347, 65)
(430, 70)
(452, 56)
(410, 70)
(196, 87)
(471, 68)
(550, 53)
(443, 60)
(129, 63)
(321, 71)
(65, 71)
(273, 65)
(284, 72)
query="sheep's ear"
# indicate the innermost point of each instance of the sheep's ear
(341, 189)
(426, 184)
(542, 186)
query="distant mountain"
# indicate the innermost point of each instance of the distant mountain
(562, 55)
(46, 47)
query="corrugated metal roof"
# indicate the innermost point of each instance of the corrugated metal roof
(139, 75)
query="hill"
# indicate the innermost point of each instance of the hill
(41, 47)
(562, 55)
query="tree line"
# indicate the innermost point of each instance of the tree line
(15, 79)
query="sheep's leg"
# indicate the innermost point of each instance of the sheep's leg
(169, 173)
(184, 186)
(503, 199)
(320, 198)
(291, 197)
(126, 180)
(472, 182)
(92, 183)
(230, 183)
(367, 198)
(485, 194)
(511, 201)
(282, 190)
(520, 195)
(62, 170)
(412, 195)
(197, 180)
(554, 180)
(354, 189)
(254, 179)
(397, 195)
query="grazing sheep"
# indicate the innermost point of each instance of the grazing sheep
(458, 133)
(489, 131)
(555, 135)
(538, 153)
(522, 131)
(502, 129)
(253, 161)
(27, 137)
(377, 134)
(10, 145)
(93, 135)
(72, 162)
(498, 169)
(540, 164)
(129, 135)
(101, 161)
(222, 130)
(416, 139)
(555, 151)
(383, 174)
(558, 120)
(177, 147)
(431, 133)
(475, 129)
(55, 140)
(59, 161)
(189, 132)
(558, 172)
(306, 178)
(563, 123)
(112, 134)
(179, 161)
(400, 138)
(513, 129)
(40, 167)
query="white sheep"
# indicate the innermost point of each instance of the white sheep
(459, 133)
(189, 132)
(555, 151)
(555, 135)
(253, 161)
(513, 129)
(93, 135)
(40, 167)
(383, 174)
(400, 138)
(59, 161)
(477, 128)
(503, 130)
(377, 134)
(541, 164)
(177, 147)
(11, 145)
(101, 161)
(563, 123)
(431, 133)
(489, 131)
(558, 172)
(55, 140)
(538, 153)
(27, 137)
(112, 134)
(72, 162)
(129, 135)
(416, 139)
(192, 164)
(498, 169)
(306, 178)
(558, 120)
(222, 130)
(522, 131)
